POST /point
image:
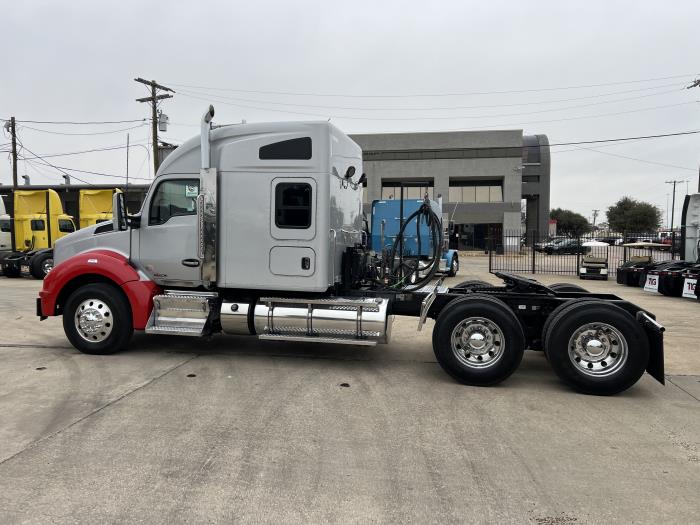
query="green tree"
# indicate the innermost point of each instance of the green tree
(631, 215)
(569, 222)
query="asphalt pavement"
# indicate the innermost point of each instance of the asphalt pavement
(231, 429)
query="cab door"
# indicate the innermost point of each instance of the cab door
(168, 232)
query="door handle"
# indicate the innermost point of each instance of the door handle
(192, 263)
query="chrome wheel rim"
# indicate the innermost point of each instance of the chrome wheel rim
(94, 320)
(477, 342)
(598, 349)
(47, 266)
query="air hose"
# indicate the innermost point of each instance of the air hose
(398, 274)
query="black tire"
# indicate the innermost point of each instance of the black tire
(483, 367)
(556, 313)
(454, 266)
(472, 284)
(109, 301)
(567, 287)
(612, 373)
(38, 265)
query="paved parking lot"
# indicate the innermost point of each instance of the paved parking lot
(233, 429)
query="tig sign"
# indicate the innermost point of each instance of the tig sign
(689, 288)
(652, 284)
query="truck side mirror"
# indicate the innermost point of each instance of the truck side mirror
(118, 212)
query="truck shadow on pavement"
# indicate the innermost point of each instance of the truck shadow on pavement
(419, 363)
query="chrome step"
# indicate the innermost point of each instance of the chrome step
(181, 313)
(316, 339)
(174, 330)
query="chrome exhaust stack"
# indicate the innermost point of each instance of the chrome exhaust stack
(206, 207)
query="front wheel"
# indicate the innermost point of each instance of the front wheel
(454, 267)
(597, 348)
(40, 265)
(478, 340)
(97, 319)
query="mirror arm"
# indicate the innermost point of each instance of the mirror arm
(133, 221)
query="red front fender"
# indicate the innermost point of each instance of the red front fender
(101, 265)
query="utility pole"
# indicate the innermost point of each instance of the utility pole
(13, 133)
(673, 200)
(694, 84)
(153, 99)
(595, 216)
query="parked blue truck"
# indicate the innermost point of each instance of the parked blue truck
(386, 223)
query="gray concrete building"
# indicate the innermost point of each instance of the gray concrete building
(486, 178)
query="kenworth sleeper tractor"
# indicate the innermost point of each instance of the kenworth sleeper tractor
(257, 229)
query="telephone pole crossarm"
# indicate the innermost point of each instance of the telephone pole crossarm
(153, 100)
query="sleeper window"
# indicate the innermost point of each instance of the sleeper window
(293, 149)
(38, 225)
(293, 205)
(173, 198)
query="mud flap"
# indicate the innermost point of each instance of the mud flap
(655, 335)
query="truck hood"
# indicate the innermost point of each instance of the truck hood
(96, 237)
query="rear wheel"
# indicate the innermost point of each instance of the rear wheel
(40, 265)
(596, 347)
(97, 319)
(472, 284)
(478, 340)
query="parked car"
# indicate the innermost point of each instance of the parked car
(566, 246)
(612, 240)
(542, 246)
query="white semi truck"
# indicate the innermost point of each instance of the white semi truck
(257, 229)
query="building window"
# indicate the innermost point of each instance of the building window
(392, 190)
(531, 178)
(531, 149)
(293, 205)
(292, 149)
(476, 191)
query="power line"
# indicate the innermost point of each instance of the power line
(83, 134)
(638, 160)
(107, 148)
(440, 108)
(348, 95)
(341, 117)
(450, 117)
(641, 137)
(94, 122)
(80, 171)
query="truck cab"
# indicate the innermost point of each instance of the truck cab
(38, 223)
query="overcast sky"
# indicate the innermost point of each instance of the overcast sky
(421, 62)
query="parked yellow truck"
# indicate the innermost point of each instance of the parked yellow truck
(39, 220)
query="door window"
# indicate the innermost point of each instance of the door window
(66, 226)
(293, 205)
(173, 198)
